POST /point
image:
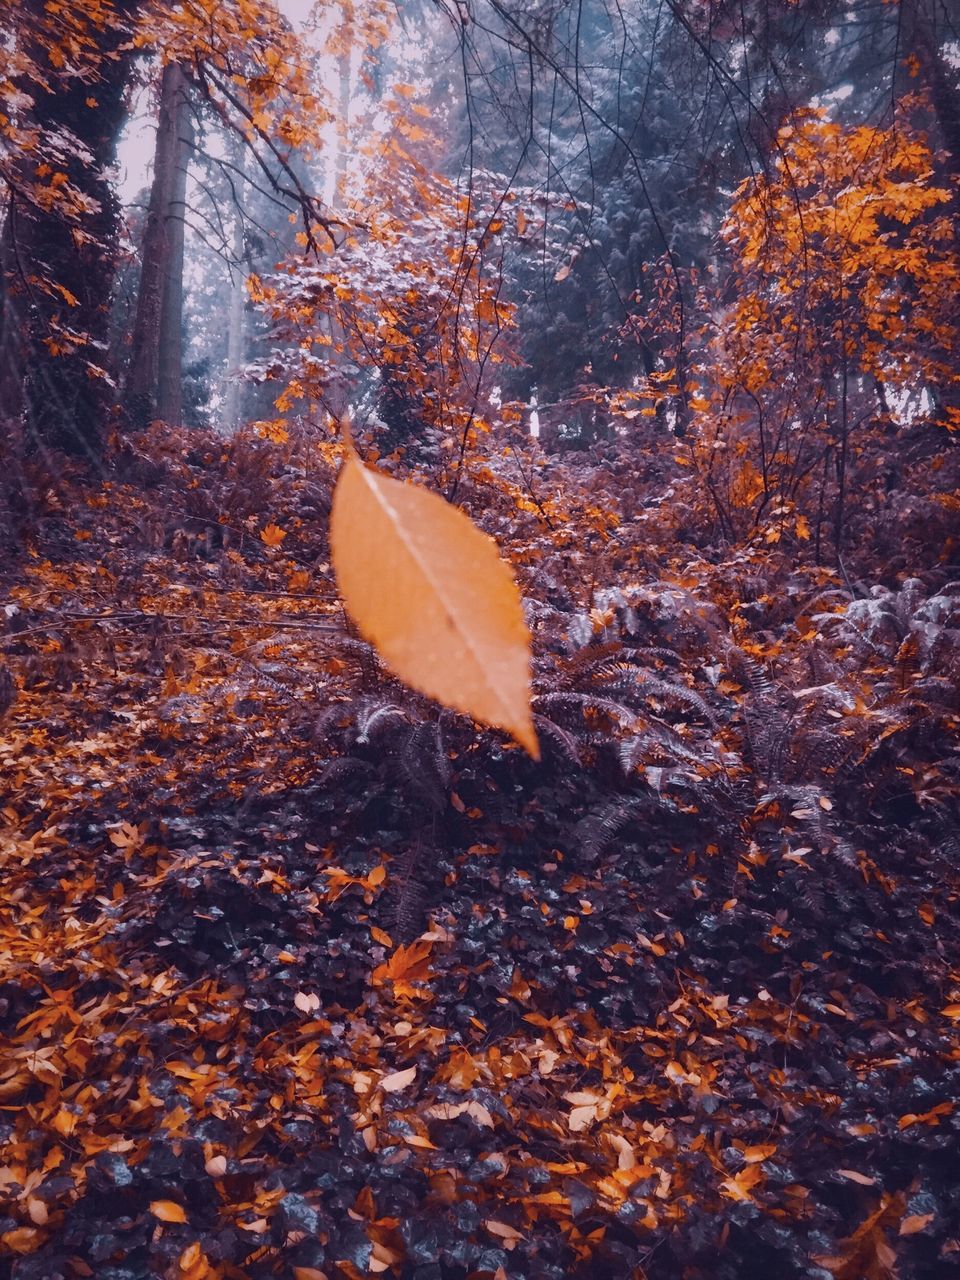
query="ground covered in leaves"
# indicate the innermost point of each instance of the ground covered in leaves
(300, 977)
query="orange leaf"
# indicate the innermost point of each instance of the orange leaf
(430, 591)
(272, 535)
(167, 1211)
(754, 1155)
(410, 963)
(739, 1188)
(915, 1222)
(190, 1256)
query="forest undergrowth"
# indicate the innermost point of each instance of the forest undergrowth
(302, 976)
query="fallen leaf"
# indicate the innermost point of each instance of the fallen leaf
(739, 1188)
(509, 1235)
(398, 1080)
(37, 1210)
(272, 535)
(626, 1157)
(167, 1211)
(190, 1256)
(753, 1155)
(581, 1118)
(418, 1140)
(409, 963)
(915, 1222)
(853, 1176)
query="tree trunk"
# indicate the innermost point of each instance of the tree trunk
(170, 382)
(57, 266)
(230, 414)
(154, 378)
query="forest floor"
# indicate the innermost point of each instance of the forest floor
(300, 977)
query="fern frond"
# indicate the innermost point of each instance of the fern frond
(584, 703)
(623, 679)
(424, 764)
(409, 893)
(344, 768)
(372, 719)
(565, 743)
(597, 831)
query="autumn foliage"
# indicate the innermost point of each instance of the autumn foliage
(436, 851)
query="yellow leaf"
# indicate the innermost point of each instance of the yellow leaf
(430, 591)
(167, 1211)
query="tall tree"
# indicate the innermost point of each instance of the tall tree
(58, 250)
(153, 388)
